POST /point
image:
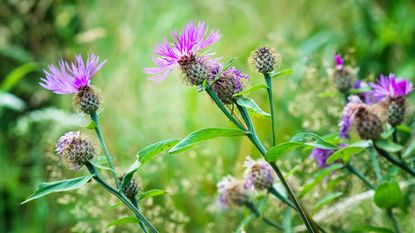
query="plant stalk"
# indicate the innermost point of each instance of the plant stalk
(268, 81)
(396, 140)
(394, 161)
(256, 212)
(395, 223)
(357, 173)
(134, 201)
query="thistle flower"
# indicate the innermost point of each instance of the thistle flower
(339, 61)
(183, 53)
(265, 59)
(258, 174)
(131, 189)
(321, 156)
(75, 78)
(75, 149)
(366, 96)
(232, 192)
(342, 75)
(364, 117)
(229, 83)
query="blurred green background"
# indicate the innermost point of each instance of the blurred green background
(376, 36)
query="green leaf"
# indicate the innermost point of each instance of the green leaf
(149, 152)
(410, 150)
(298, 141)
(44, 189)
(345, 152)
(250, 103)
(204, 135)
(120, 203)
(15, 75)
(245, 222)
(100, 166)
(281, 73)
(360, 90)
(251, 89)
(129, 174)
(368, 229)
(388, 195)
(319, 177)
(388, 132)
(388, 145)
(125, 220)
(151, 193)
(404, 128)
(91, 125)
(326, 199)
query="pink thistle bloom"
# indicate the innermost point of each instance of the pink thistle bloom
(184, 45)
(339, 61)
(391, 87)
(70, 78)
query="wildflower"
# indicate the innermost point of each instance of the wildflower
(232, 192)
(364, 117)
(229, 83)
(75, 78)
(342, 75)
(393, 93)
(75, 149)
(183, 53)
(321, 156)
(258, 174)
(264, 59)
(366, 96)
(131, 189)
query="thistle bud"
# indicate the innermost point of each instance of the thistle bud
(258, 174)
(396, 110)
(232, 192)
(264, 59)
(75, 149)
(87, 100)
(229, 83)
(131, 189)
(342, 75)
(195, 69)
(369, 126)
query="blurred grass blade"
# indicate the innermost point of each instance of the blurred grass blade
(16, 74)
(345, 152)
(125, 220)
(250, 103)
(149, 152)
(204, 135)
(58, 186)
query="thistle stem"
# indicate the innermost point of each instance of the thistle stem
(95, 119)
(284, 199)
(357, 173)
(396, 140)
(395, 223)
(97, 177)
(255, 140)
(134, 201)
(256, 212)
(268, 81)
(394, 161)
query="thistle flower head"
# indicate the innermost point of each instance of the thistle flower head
(232, 192)
(339, 61)
(264, 59)
(258, 174)
(391, 87)
(131, 189)
(184, 45)
(366, 96)
(70, 78)
(321, 156)
(349, 113)
(75, 149)
(87, 100)
(229, 83)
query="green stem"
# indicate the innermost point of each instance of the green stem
(222, 107)
(255, 140)
(375, 164)
(95, 119)
(363, 178)
(256, 212)
(283, 198)
(134, 201)
(268, 81)
(97, 177)
(394, 222)
(396, 162)
(396, 140)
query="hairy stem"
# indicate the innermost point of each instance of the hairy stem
(95, 119)
(268, 81)
(255, 211)
(97, 177)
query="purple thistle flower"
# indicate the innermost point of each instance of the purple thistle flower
(70, 78)
(186, 44)
(258, 174)
(339, 61)
(65, 140)
(367, 96)
(390, 87)
(349, 113)
(232, 192)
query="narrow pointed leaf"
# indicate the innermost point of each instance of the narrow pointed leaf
(100, 166)
(125, 220)
(282, 73)
(44, 189)
(345, 152)
(250, 103)
(326, 199)
(204, 135)
(129, 174)
(388, 146)
(151, 193)
(251, 89)
(149, 152)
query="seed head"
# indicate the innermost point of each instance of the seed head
(265, 59)
(258, 174)
(195, 69)
(87, 100)
(396, 110)
(131, 189)
(369, 126)
(75, 149)
(232, 192)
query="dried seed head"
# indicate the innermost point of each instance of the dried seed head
(87, 100)
(396, 110)
(369, 126)
(75, 149)
(131, 189)
(232, 192)
(264, 59)
(195, 69)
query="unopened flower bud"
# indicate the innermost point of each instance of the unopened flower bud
(258, 174)
(87, 100)
(342, 75)
(265, 59)
(195, 69)
(230, 82)
(232, 192)
(396, 110)
(369, 126)
(131, 189)
(75, 149)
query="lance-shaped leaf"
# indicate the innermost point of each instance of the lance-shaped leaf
(125, 220)
(129, 174)
(298, 141)
(149, 152)
(251, 89)
(204, 135)
(281, 73)
(388, 145)
(44, 189)
(326, 199)
(250, 103)
(151, 193)
(345, 152)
